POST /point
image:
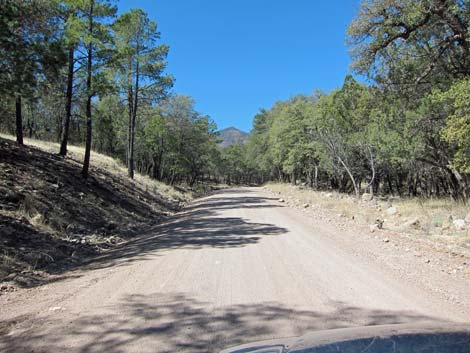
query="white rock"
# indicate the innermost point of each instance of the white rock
(306, 205)
(281, 200)
(367, 197)
(392, 211)
(459, 224)
(413, 222)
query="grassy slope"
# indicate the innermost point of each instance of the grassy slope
(50, 217)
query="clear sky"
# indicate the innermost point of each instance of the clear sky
(237, 56)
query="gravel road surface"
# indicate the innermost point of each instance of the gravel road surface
(234, 267)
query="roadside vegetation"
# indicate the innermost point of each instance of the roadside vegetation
(104, 148)
(51, 220)
(405, 132)
(74, 72)
(442, 221)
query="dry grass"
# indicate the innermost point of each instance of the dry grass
(110, 164)
(436, 218)
(431, 218)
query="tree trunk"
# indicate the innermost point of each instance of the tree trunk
(130, 146)
(30, 126)
(19, 121)
(457, 191)
(356, 190)
(316, 177)
(193, 179)
(68, 104)
(156, 166)
(86, 162)
(131, 164)
(133, 118)
(130, 106)
(372, 166)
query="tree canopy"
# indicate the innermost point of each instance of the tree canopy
(73, 70)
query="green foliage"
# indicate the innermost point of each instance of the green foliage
(406, 40)
(407, 132)
(360, 136)
(30, 46)
(178, 142)
(455, 103)
(139, 60)
(234, 164)
(110, 126)
(140, 63)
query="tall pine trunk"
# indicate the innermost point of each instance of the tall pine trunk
(68, 104)
(130, 143)
(134, 100)
(19, 120)
(86, 162)
(130, 164)
(130, 107)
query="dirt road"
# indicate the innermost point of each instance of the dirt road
(234, 267)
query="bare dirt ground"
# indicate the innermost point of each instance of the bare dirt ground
(235, 267)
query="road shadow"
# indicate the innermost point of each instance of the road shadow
(241, 202)
(174, 322)
(199, 226)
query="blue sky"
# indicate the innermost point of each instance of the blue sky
(237, 56)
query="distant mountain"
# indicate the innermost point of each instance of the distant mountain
(231, 136)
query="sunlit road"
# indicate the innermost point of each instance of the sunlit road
(234, 267)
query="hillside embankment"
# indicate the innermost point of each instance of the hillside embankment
(52, 219)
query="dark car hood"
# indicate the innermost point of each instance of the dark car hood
(408, 338)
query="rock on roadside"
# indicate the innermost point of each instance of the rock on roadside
(367, 197)
(459, 224)
(392, 211)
